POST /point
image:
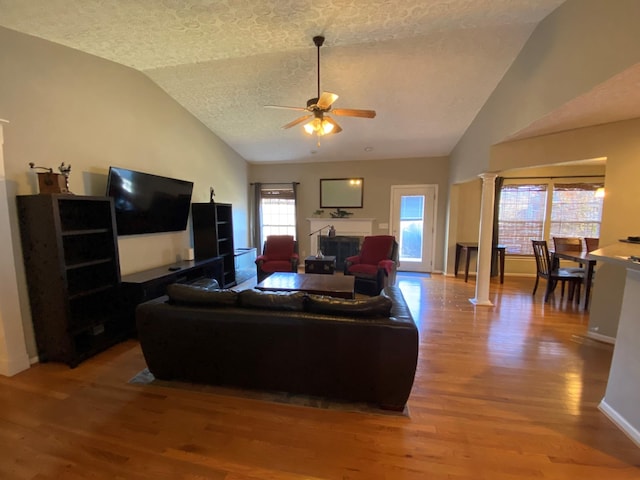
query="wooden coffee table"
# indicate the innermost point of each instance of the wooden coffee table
(333, 285)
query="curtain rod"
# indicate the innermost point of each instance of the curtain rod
(275, 183)
(561, 176)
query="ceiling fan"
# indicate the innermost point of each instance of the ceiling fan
(318, 121)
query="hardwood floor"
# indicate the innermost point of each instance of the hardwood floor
(505, 392)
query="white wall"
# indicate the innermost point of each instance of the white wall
(68, 106)
(379, 176)
(580, 45)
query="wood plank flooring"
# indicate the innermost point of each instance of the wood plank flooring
(501, 393)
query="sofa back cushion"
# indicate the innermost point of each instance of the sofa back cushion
(185, 294)
(368, 307)
(289, 301)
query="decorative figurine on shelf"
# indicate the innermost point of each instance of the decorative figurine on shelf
(212, 194)
(332, 231)
(66, 171)
(339, 213)
(49, 182)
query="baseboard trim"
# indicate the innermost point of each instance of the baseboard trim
(481, 303)
(601, 338)
(628, 429)
(11, 367)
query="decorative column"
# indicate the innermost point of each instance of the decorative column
(13, 350)
(485, 238)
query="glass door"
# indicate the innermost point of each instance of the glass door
(412, 223)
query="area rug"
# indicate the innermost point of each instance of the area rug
(145, 377)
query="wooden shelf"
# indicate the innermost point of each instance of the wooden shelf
(213, 236)
(70, 252)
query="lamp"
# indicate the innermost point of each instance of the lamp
(319, 253)
(599, 192)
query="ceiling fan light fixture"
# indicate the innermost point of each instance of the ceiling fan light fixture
(314, 121)
(319, 127)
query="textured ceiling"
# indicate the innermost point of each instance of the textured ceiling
(425, 66)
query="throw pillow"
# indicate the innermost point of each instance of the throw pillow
(184, 294)
(369, 307)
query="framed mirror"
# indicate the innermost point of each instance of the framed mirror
(341, 192)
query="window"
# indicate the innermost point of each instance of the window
(521, 217)
(411, 227)
(575, 210)
(544, 210)
(278, 211)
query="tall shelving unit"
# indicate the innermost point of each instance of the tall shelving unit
(70, 252)
(213, 236)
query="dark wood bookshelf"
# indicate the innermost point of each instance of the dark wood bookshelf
(70, 251)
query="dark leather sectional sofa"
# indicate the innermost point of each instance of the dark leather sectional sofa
(354, 350)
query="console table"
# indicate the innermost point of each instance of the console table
(469, 247)
(142, 286)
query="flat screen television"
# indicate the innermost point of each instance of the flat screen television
(146, 203)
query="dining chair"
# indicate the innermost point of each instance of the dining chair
(552, 274)
(569, 244)
(591, 243)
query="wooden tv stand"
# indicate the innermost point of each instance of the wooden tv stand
(146, 285)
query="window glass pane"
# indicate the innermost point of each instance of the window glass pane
(411, 207)
(411, 227)
(521, 218)
(278, 213)
(575, 211)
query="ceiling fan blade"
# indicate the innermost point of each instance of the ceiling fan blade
(326, 99)
(351, 112)
(301, 109)
(297, 121)
(336, 127)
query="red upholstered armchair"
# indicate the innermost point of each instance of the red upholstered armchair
(375, 266)
(279, 255)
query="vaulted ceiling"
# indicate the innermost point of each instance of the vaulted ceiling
(425, 66)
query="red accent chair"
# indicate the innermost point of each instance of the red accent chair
(279, 255)
(375, 266)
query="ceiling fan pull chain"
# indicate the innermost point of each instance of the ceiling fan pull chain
(318, 44)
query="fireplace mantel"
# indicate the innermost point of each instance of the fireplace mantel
(355, 227)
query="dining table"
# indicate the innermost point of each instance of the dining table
(582, 258)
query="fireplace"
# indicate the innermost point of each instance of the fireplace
(345, 227)
(340, 247)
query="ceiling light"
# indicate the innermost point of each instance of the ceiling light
(319, 126)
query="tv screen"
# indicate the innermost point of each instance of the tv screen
(146, 203)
